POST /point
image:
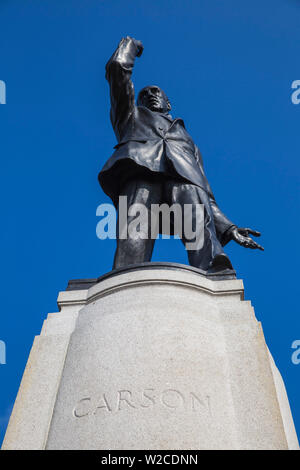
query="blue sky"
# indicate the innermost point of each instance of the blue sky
(227, 68)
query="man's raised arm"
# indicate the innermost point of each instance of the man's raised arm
(118, 74)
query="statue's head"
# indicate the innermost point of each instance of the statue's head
(155, 99)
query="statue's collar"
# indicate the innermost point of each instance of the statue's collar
(167, 116)
(171, 120)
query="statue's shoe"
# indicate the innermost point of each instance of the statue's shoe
(220, 263)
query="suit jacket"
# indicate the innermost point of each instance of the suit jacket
(149, 140)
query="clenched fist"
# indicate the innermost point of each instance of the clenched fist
(136, 42)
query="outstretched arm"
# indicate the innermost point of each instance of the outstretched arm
(225, 229)
(222, 224)
(118, 74)
(229, 231)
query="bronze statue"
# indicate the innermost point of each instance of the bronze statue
(155, 162)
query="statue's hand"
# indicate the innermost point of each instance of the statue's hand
(241, 236)
(138, 44)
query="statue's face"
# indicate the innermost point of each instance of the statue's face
(152, 97)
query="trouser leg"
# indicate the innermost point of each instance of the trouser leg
(132, 250)
(202, 256)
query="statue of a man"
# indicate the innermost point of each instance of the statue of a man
(156, 161)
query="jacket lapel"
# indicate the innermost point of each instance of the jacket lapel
(175, 121)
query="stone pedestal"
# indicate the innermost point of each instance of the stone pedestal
(153, 358)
